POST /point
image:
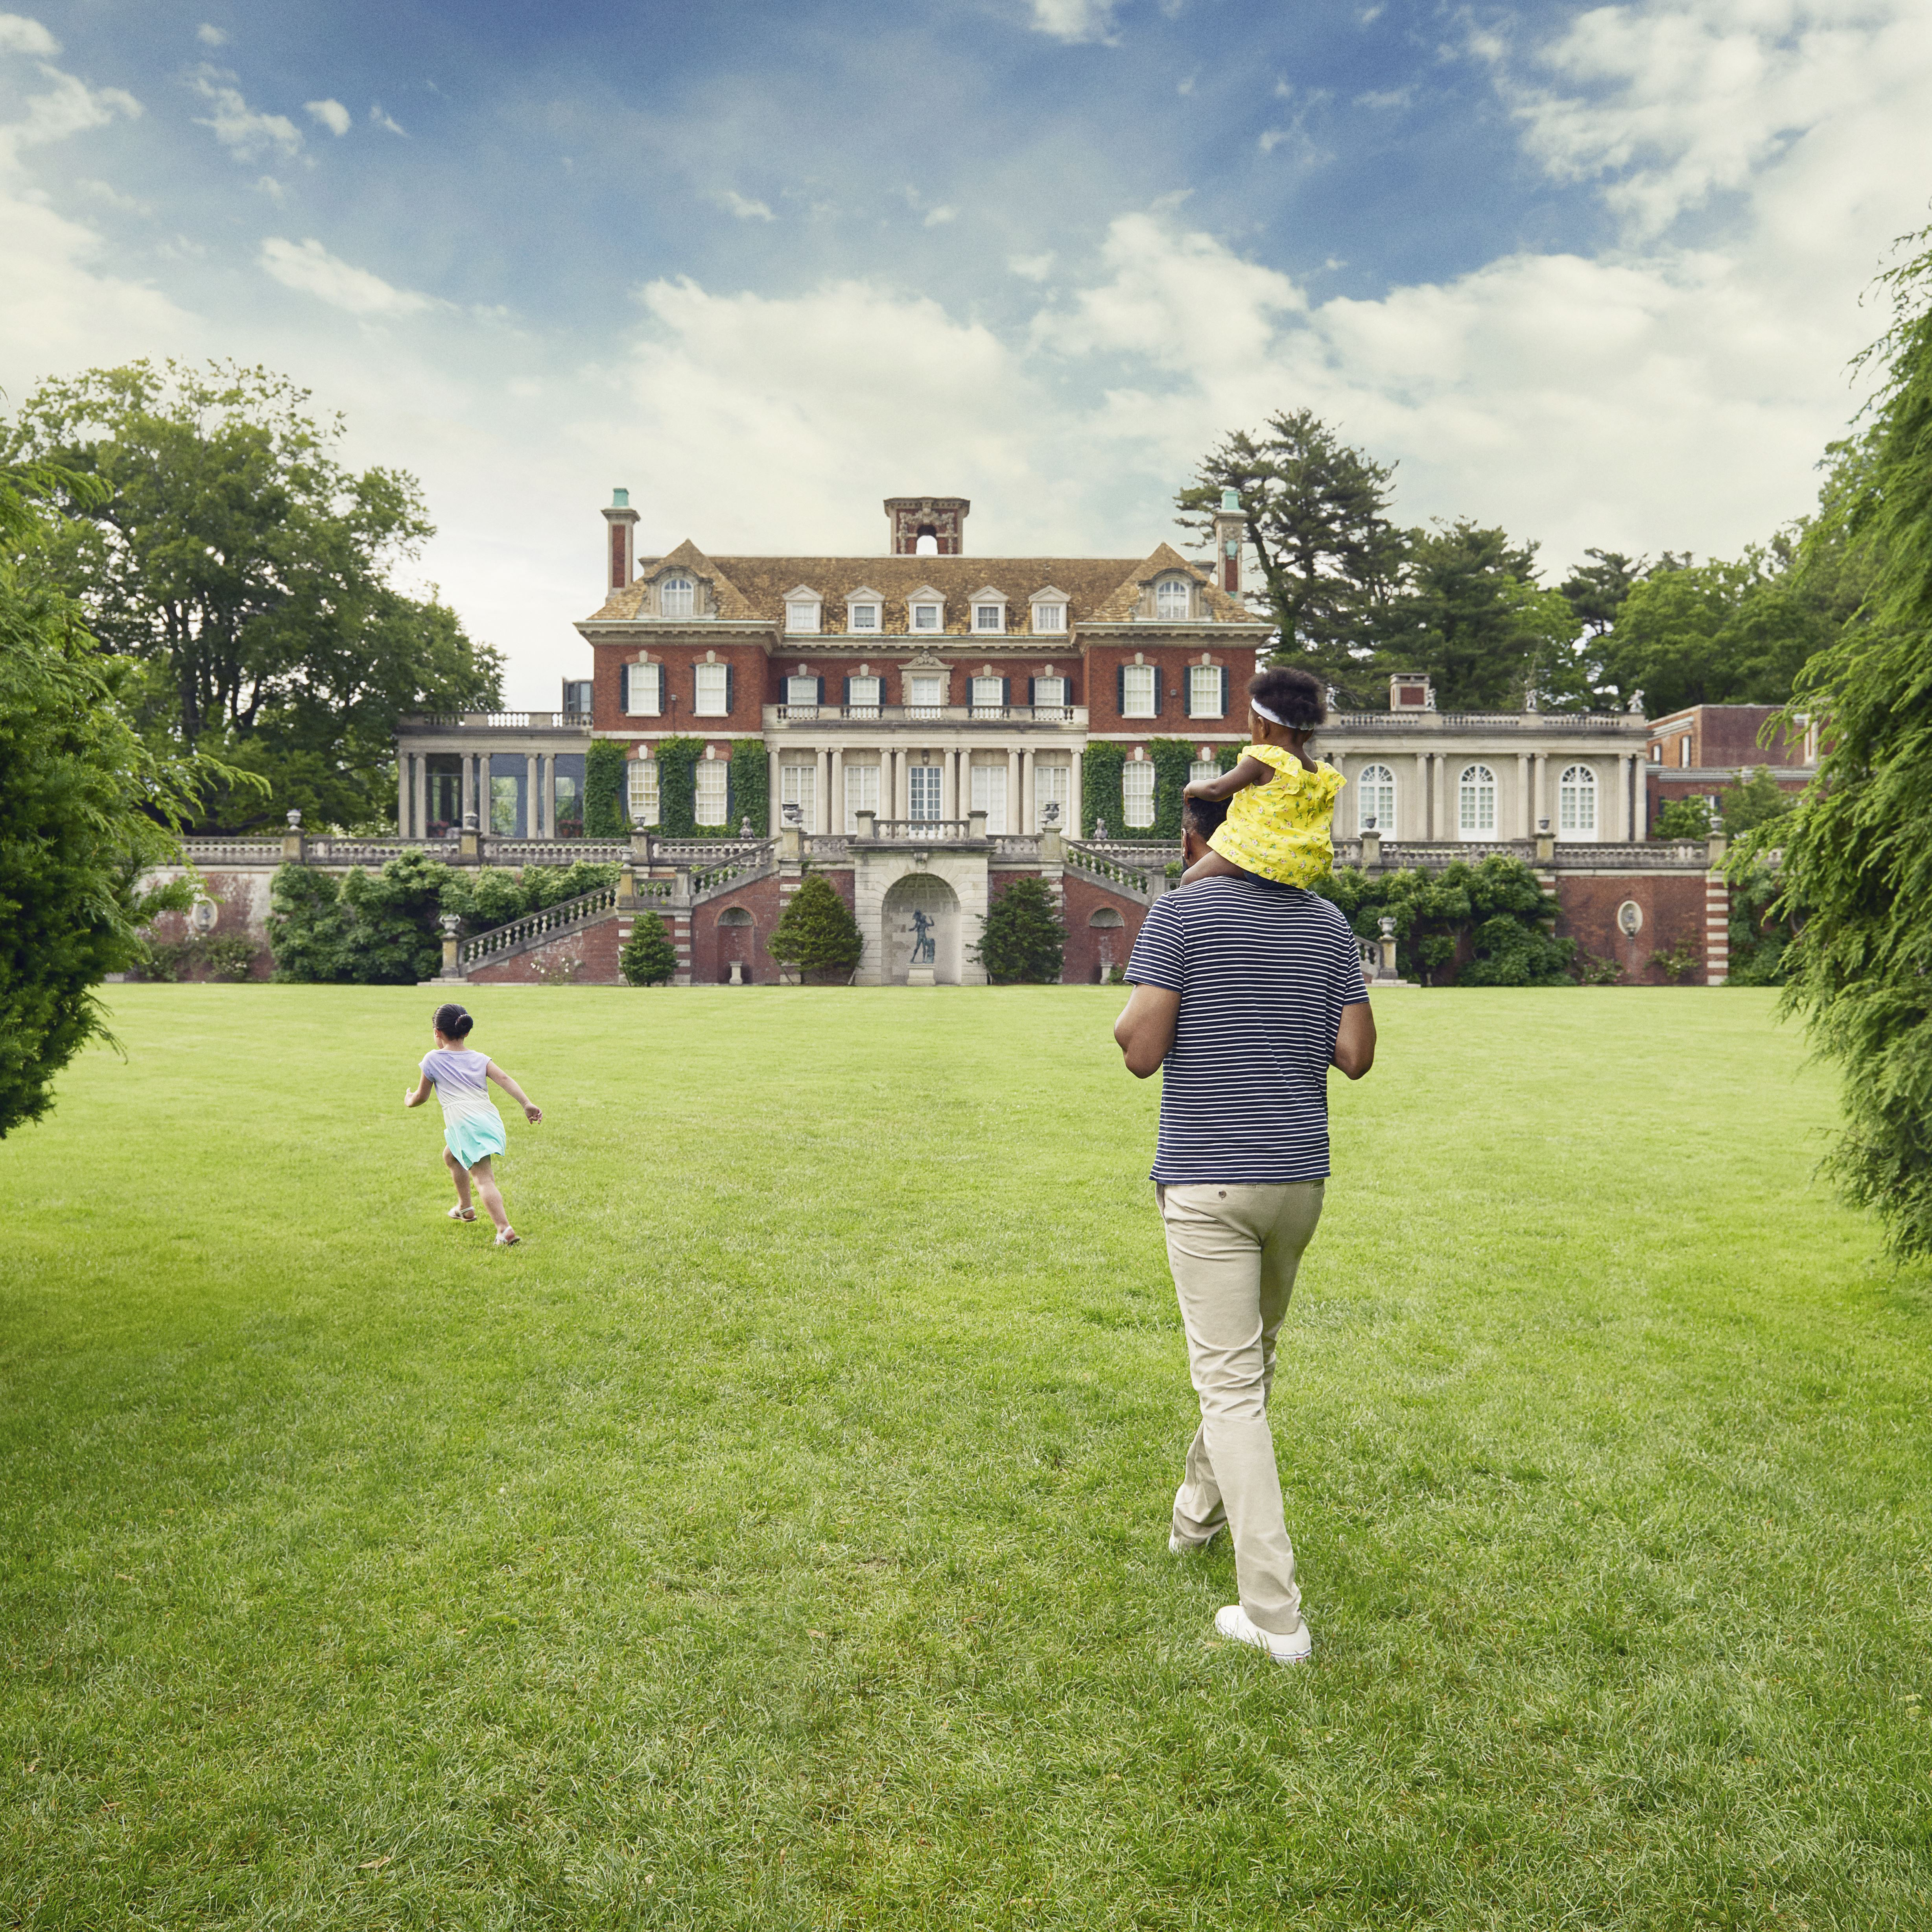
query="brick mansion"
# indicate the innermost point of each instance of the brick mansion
(927, 726)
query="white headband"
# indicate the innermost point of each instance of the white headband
(1261, 710)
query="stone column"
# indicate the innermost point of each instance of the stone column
(403, 761)
(949, 785)
(835, 799)
(421, 774)
(1029, 820)
(773, 821)
(1524, 760)
(1075, 823)
(1638, 788)
(1626, 812)
(1015, 810)
(902, 804)
(470, 803)
(531, 809)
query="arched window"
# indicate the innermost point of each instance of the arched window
(677, 596)
(1375, 800)
(1476, 803)
(1170, 599)
(1576, 802)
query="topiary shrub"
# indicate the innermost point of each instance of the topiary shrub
(649, 958)
(1023, 941)
(816, 933)
(606, 815)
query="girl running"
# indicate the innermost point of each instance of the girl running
(473, 1129)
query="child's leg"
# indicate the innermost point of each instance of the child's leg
(461, 1176)
(491, 1197)
(1210, 865)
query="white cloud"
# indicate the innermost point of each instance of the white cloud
(243, 132)
(745, 208)
(20, 35)
(1394, 97)
(105, 191)
(331, 114)
(377, 119)
(1032, 268)
(937, 217)
(267, 184)
(310, 268)
(211, 37)
(1073, 20)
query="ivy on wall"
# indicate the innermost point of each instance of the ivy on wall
(605, 813)
(1173, 759)
(677, 785)
(1100, 789)
(751, 786)
(1101, 796)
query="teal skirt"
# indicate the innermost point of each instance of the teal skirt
(475, 1138)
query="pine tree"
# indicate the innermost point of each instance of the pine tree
(1023, 939)
(648, 959)
(816, 933)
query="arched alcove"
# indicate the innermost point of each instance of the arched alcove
(921, 914)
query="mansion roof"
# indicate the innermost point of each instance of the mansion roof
(755, 590)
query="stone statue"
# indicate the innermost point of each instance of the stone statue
(1099, 828)
(923, 951)
(744, 828)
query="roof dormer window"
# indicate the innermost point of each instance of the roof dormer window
(862, 610)
(926, 610)
(802, 607)
(1172, 603)
(1049, 609)
(989, 616)
(676, 597)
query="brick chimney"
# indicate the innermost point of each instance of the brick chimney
(941, 518)
(1231, 526)
(622, 521)
(1411, 691)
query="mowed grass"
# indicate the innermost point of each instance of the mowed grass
(778, 1537)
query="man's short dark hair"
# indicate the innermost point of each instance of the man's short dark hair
(1204, 815)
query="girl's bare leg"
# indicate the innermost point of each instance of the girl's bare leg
(461, 1176)
(487, 1189)
(1211, 865)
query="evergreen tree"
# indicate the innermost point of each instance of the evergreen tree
(649, 958)
(1857, 852)
(1023, 939)
(1319, 525)
(816, 932)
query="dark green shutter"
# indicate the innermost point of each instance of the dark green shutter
(1121, 689)
(730, 689)
(820, 698)
(1224, 691)
(1031, 682)
(1006, 693)
(847, 699)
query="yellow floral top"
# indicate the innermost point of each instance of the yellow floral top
(1279, 829)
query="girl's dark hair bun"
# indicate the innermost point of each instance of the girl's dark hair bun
(1296, 696)
(452, 1021)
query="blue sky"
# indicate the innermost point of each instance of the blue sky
(1594, 274)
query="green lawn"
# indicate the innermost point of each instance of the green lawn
(778, 1537)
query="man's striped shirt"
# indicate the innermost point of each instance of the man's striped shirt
(1263, 971)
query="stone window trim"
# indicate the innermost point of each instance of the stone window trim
(1476, 802)
(985, 604)
(1171, 598)
(804, 611)
(1048, 611)
(677, 596)
(861, 601)
(925, 612)
(1578, 792)
(1375, 798)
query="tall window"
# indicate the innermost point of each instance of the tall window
(643, 690)
(923, 791)
(798, 784)
(1050, 693)
(862, 793)
(1204, 692)
(1137, 691)
(1137, 794)
(1203, 768)
(1576, 802)
(1049, 617)
(925, 694)
(1052, 785)
(713, 691)
(677, 596)
(864, 696)
(643, 792)
(989, 617)
(714, 806)
(800, 690)
(989, 795)
(927, 617)
(1476, 803)
(1375, 800)
(987, 693)
(1170, 600)
(801, 616)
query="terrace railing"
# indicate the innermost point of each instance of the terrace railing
(1145, 883)
(1057, 715)
(552, 922)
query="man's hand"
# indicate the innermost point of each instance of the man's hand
(1355, 1040)
(1145, 1031)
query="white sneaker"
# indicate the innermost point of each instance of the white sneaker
(1234, 1623)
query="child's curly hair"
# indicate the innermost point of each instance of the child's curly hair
(1295, 697)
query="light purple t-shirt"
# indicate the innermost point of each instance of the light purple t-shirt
(458, 1072)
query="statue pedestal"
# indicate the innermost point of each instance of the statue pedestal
(737, 972)
(920, 976)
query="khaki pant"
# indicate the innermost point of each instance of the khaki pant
(1234, 1251)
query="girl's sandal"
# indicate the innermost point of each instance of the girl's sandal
(463, 1214)
(508, 1238)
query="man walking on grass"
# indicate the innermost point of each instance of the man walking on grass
(1245, 994)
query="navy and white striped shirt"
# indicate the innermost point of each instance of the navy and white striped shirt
(1263, 971)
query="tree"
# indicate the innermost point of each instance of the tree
(1755, 801)
(1022, 939)
(1317, 523)
(1490, 916)
(84, 808)
(215, 538)
(1470, 613)
(815, 932)
(366, 929)
(1858, 852)
(1682, 818)
(649, 958)
(1595, 591)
